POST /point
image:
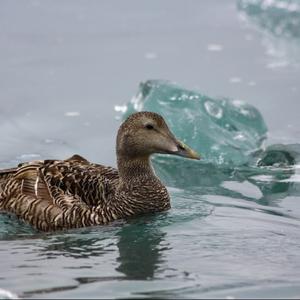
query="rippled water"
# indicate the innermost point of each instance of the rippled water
(234, 226)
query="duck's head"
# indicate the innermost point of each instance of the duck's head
(146, 133)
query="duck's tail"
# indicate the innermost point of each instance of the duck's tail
(5, 175)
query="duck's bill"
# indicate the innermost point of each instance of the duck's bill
(185, 151)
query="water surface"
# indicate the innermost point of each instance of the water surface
(233, 230)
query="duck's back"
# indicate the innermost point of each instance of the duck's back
(56, 194)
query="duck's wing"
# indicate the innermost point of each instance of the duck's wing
(91, 183)
(25, 193)
(55, 194)
(5, 175)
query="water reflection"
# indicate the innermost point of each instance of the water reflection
(12, 228)
(138, 245)
(125, 251)
(77, 246)
(270, 177)
(141, 245)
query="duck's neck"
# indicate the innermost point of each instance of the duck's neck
(135, 168)
(139, 190)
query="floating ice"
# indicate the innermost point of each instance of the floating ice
(49, 141)
(246, 188)
(5, 294)
(213, 109)
(280, 155)
(214, 47)
(293, 178)
(279, 23)
(235, 80)
(72, 114)
(121, 108)
(229, 135)
(280, 17)
(223, 131)
(277, 64)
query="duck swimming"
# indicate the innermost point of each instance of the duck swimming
(60, 194)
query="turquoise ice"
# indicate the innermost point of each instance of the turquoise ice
(281, 18)
(223, 131)
(229, 135)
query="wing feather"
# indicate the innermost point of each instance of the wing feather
(55, 194)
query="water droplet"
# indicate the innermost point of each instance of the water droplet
(213, 109)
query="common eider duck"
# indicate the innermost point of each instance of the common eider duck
(60, 194)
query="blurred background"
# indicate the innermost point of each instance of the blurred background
(65, 65)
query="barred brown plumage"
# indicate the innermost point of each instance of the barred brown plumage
(71, 193)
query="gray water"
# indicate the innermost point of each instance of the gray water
(233, 231)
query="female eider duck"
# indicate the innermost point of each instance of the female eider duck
(60, 194)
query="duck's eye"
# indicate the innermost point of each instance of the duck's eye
(149, 126)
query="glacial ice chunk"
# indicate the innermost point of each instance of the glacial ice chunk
(224, 131)
(280, 17)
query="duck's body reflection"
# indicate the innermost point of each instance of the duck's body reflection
(132, 250)
(139, 242)
(141, 245)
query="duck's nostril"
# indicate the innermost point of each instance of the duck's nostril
(180, 147)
